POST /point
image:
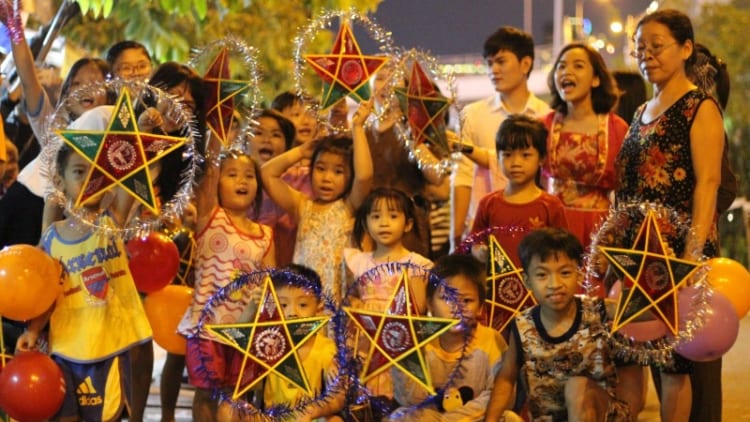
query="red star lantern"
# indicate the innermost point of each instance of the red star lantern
(120, 155)
(270, 343)
(345, 72)
(652, 277)
(508, 294)
(398, 336)
(424, 107)
(222, 91)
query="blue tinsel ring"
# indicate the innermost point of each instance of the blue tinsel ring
(280, 411)
(350, 364)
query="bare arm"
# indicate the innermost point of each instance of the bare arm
(285, 196)
(505, 382)
(706, 148)
(22, 56)
(362, 171)
(461, 200)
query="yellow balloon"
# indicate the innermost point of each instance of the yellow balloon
(164, 309)
(30, 282)
(733, 280)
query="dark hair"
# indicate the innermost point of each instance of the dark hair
(285, 100)
(116, 50)
(456, 264)
(679, 26)
(546, 242)
(395, 199)
(62, 158)
(100, 64)
(339, 145)
(286, 125)
(519, 131)
(300, 276)
(166, 76)
(632, 93)
(603, 97)
(510, 39)
(236, 154)
(710, 75)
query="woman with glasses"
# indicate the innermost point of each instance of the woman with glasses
(672, 154)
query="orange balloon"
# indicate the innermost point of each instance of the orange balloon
(733, 280)
(30, 281)
(164, 309)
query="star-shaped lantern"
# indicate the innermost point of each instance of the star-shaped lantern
(398, 336)
(508, 294)
(652, 277)
(270, 343)
(222, 91)
(120, 155)
(424, 107)
(345, 72)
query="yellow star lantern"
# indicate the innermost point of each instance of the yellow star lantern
(425, 108)
(345, 72)
(270, 343)
(508, 295)
(120, 155)
(398, 336)
(652, 277)
(222, 91)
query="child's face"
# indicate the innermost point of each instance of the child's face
(330, 175)
(520, 166)
(238, 183)
(83, 101)
(268, 141)
(507, 72)
(70, 182)
(304, 120)
(467, 295)
(132, 63)
(297, 302)
(386, 224)
(553, 282)
(574, 76)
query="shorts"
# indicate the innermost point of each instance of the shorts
(95, 391)
(211, 364)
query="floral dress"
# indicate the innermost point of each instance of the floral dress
(655, 163)
(580, 170)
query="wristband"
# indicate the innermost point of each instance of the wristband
(466, 149)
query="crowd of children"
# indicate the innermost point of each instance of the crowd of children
(318, 205)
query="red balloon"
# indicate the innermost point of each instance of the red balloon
(164, 310)
(154, 261)
(30, 281)
(718, 332)
(32, 387)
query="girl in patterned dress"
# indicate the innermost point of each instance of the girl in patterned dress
(672, 154)
(584, 137)
(227, 241)
(385, 216)
(341, 176)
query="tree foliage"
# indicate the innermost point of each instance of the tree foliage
(171, 28)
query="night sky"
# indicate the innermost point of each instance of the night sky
(461, 26)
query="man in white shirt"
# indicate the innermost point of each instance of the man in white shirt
(510, 58)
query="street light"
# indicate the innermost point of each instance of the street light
(616, 27)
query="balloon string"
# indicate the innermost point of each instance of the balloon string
(2, 349)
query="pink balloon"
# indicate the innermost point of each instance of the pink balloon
(718, 332)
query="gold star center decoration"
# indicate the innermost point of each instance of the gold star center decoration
(222, 91)
(270, 343)
(425, 108)
(120, 155)
(345, 71)
(398, 336)
(652, 277)
(508, 294)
